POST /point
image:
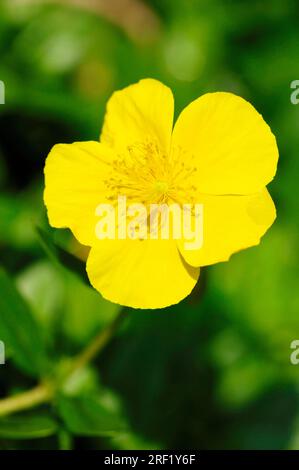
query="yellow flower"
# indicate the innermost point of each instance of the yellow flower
(220, 153)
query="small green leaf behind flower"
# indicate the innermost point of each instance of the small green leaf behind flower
(58, 255)
(32, 426)
(88, 416)
(20, 331)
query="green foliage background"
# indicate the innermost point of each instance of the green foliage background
(213, 371)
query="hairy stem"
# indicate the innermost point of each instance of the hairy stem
(44, 392)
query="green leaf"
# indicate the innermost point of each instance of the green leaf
(19, 330)
(61, 256)
(27, 427)
(87, 416)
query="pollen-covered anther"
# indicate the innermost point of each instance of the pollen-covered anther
(145, 174)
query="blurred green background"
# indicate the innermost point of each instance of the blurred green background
(213, 371)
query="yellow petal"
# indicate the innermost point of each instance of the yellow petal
(140, 273)
(230, 224)
(140, 112)
(235, 151)
(74, 186)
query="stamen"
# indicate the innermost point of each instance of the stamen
(145, 174)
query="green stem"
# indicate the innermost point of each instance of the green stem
(65, 440)
(23, 401)
(98, 344)
(44, 392)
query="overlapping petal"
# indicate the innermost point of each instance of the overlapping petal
(140, 273)
(139, 113)
(74, 186)
(234, 149)
(230, 224)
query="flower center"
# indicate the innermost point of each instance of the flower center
(145, 174)
(161, 187)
